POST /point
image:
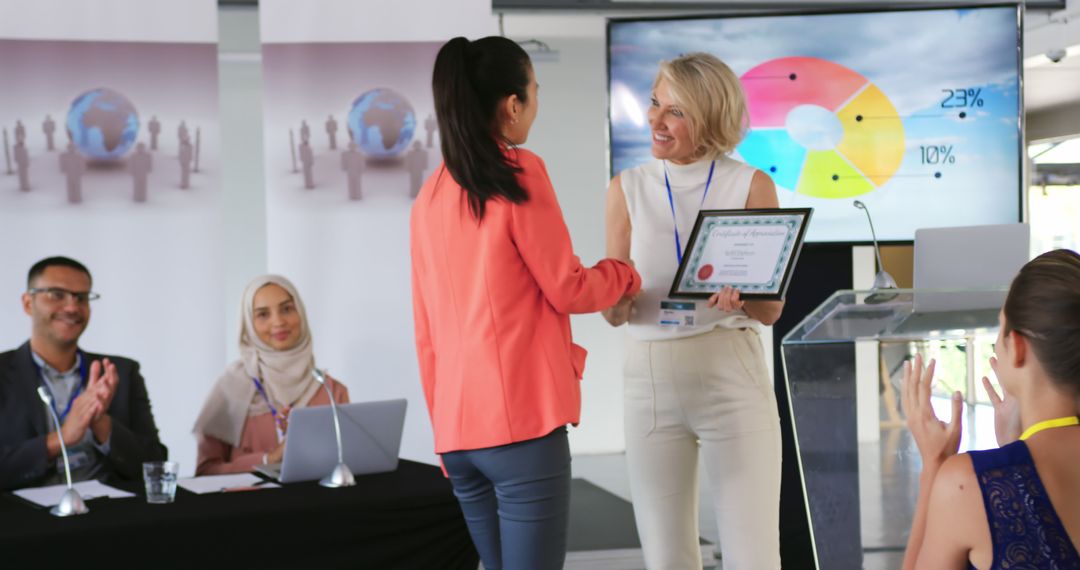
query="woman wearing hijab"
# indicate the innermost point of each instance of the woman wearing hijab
(244, 419)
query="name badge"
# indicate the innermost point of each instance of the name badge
(677, 313)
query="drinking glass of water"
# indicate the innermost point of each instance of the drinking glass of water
(160, 478)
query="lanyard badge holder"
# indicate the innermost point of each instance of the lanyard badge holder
(279, 421)
(83, 376)
(680, 313)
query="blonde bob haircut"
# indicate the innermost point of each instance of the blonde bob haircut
(711, 99)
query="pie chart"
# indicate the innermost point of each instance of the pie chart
(820, 129)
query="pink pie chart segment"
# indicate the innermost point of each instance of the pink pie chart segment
(777, 86)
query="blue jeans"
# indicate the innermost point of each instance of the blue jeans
(516, 501)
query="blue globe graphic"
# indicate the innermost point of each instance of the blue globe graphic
(382, 122)
(103, 124)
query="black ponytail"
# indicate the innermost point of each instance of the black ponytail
(469, 81)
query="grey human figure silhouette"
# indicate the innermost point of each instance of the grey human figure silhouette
(187, 154)
(307, 160)
(331, 130)
(49, 128)
(352, 162)
(20, 132)
(73, 165)
(182, 132)
(141, 163)
(7, 154)
(430, 124)
(198, 147)
(22, 164)
(154, 127)
(416, 161)
(305, 132)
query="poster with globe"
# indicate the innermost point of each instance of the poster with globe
(349, 125)
(113, 124)
(109, 154)
(349, 138)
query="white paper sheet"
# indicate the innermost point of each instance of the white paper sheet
(218, 483)
(49, 496)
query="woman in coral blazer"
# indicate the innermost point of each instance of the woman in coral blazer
(494, 281)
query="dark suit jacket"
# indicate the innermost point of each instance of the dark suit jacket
(24, 423)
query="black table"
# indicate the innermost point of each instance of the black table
(405, 519)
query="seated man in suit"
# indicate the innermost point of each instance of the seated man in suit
(102, 402)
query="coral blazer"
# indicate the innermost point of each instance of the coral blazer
(491, 305)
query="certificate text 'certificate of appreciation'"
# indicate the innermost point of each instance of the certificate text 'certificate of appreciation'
(753, 251)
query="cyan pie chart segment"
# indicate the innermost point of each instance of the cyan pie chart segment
(774, 152)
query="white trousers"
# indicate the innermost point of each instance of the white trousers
(712, 392)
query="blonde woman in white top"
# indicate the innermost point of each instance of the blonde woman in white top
(703, 384)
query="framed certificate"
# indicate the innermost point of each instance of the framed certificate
(753, 251)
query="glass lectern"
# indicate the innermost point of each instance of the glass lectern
(824, 380)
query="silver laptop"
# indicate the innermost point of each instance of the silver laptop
(971, 257)
(370, 437)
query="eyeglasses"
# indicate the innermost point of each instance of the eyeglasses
(59, 295)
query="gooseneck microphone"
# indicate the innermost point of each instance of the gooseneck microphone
(882, 280)
(70, 502)
(341, 476)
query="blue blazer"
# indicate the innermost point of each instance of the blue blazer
(24, 423)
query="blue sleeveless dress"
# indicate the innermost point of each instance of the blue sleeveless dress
(1025, 531)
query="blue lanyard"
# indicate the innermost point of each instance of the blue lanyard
(671, 201)
(273, 410)
(83, 375)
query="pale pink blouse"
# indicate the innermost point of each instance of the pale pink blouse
(257, 438)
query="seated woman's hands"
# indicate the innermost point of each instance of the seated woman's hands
(936, 440)
(1007, 426)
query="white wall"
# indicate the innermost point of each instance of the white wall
(243, 199)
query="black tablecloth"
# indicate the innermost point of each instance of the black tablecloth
(405, 519)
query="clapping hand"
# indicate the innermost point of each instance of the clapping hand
(727, 300)
(102, 384)
(936, 440)
(83, 411)
(1006, 410)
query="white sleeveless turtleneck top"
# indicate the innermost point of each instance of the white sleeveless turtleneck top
(652, 236)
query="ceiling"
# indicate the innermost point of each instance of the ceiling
(1048, 25)
(1048, 84)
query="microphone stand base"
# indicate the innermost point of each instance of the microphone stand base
(341, 476)
(882, 283)
(70, 504)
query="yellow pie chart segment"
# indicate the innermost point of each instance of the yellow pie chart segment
(827, 175)
(873, 135)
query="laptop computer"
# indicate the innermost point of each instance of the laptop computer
(370, 438)
(970, 257)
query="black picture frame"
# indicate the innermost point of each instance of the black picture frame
(691, 245)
